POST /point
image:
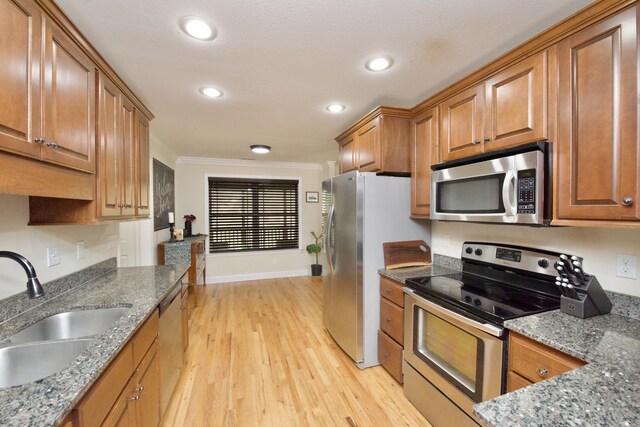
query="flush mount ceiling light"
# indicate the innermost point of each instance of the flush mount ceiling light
(380, 63)
(211, 92)
(335, 108)
(198, 28)
(260, 149)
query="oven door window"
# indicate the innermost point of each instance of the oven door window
(478, 195)
(453, 353)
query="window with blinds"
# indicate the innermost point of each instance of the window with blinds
(253, 214)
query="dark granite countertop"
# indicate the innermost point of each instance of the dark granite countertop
(442, 265)
(605, 392)
(46, 402)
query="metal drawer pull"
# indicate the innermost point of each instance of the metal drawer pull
(52, 144)
(543, 372)
(386, 355)
(388, 319)
(134, 398)
(476, 141)
(141, 388)
(39, 140)
(627, 201)
(388, 290)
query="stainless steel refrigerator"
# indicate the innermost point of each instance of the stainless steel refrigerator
(361, 211)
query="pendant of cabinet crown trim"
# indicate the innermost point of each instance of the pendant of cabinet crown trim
(508, 109)
(598, 148)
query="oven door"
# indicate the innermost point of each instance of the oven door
(506, 189)
(461, 357)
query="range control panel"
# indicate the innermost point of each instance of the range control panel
(527, 191)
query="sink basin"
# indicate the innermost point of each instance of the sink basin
(70, 324)
(25, 363)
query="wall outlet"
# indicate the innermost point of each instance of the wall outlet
(53, 256)
(626, 266)
(80, 249)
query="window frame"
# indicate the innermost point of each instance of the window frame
(207, 176)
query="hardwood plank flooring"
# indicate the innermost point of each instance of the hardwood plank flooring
(259, 356)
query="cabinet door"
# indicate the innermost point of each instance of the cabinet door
(424, 146)
(69, 99)
(142, 164)
(597, 145)
(348, 154)
(369, 155)
(123, 412)
(128, 158)
(516, 104)
(110, 147)
(148, 389)
(20, 40)
(462, 124)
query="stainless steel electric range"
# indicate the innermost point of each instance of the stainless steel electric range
(455, 342)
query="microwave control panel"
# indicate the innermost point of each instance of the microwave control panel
(527, 191)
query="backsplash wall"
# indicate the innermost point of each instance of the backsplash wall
(32, 242)
(598, 246)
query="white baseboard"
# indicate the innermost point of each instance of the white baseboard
(257, 276)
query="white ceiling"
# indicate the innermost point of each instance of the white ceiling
(280, 62)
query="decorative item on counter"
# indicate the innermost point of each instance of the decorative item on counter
(171, 227)
(410, 253)
(315, 248)
(582, 295)
(179, 233)
(187, 224)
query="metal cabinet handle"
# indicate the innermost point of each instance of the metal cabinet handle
(52, 144)
(140, 207)
(543, 372)
(127, 206)
(386, 355)
(487, 139)
(141, 388)
(627, 201)
(134, 398)
(388, 319)
(388, 290)
(39, 140)
(476, 141)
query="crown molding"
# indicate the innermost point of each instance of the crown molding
(246, 163)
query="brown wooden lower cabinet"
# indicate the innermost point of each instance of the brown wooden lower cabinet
(391, 333)
(128, 391)
(531, 362)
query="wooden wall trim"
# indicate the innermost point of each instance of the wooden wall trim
(574, 23)
(386, 111)
(54, 13)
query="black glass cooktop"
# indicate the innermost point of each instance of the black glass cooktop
(485, 298)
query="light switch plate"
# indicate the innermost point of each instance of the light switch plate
(53, 256)
(626, 266)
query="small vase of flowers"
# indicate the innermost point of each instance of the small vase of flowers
(187, 225)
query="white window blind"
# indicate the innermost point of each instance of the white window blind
(252, 214)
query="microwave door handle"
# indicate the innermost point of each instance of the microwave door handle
(328, 247)
(508, 193)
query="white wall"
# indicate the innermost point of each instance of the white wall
(191, 198)
(598, 246)
(32, 242)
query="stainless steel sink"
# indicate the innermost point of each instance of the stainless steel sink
(69, 325)
(25, 363)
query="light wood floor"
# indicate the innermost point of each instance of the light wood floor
(259, 356)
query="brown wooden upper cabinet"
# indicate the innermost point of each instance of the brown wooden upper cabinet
(424, 152)
(379, 142)
(47, 107)
(509, 108)
(142, 158)
(598, 152)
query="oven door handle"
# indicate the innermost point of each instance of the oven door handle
(508, 189)
(438, 309)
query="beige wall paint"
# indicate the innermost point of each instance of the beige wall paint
(598, 246)
(32, 242)
(191, 187)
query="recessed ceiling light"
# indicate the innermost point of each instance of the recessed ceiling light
(211, 92)
(198, 28)
(260, 149)
(380, 63)
(335, 108)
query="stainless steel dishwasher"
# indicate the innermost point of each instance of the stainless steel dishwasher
(170, 345)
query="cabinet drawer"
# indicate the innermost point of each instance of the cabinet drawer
(392, 320)
(535, 361)
(515, 382)
(392, 290)
(390, 355)
(143, 339)
(97, 403)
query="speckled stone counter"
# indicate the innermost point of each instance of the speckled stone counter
(606, 392)
(179, 252)
(47, 401)
(441, 266)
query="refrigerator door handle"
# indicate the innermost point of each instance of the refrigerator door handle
(328, 248)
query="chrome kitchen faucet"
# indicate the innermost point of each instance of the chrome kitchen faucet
(34, 288)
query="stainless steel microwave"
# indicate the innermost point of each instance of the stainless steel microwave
(505, 186)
